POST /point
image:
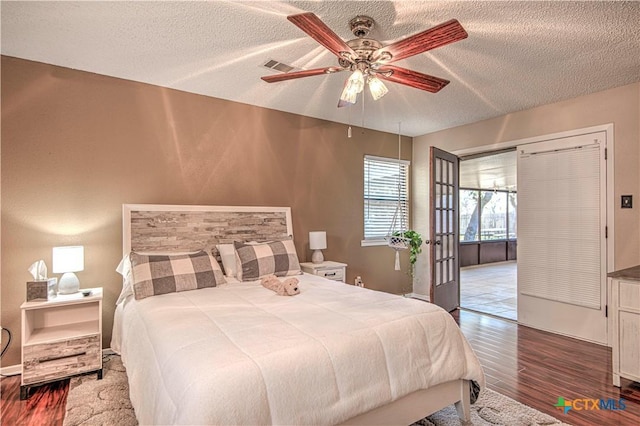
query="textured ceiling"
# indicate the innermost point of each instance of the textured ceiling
(496, 171)
(518, 54)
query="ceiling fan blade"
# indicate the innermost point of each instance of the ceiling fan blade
(437, 36)
(318, 30)
(412, 78)
(300, 74)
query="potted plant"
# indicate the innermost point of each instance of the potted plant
(414, 241)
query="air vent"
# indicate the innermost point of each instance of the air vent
(278, 66)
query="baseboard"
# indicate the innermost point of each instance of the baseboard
(11, 370)
(14, 370)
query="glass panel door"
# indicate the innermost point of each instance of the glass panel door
(444, 233)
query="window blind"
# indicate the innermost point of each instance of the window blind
(559, 225)
(385, 182)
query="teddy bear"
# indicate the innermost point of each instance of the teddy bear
(288, 287)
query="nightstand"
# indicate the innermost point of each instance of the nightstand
(61, 337)
(335, 271)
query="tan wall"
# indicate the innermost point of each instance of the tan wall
(620, 106)
(76, 146)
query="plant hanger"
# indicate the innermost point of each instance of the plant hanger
(396, 237)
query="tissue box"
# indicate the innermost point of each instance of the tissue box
(41, 290)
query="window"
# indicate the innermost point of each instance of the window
(386, 181)
(469, 215)
(487, 215)
(512, 208)
(494, 216)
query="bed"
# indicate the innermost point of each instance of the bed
(237, 353)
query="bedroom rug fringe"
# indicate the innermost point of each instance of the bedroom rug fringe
(106, 402)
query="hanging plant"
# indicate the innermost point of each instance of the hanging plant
(415, 246)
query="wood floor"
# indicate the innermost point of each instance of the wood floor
(46, 405)
(535, 368)
(530, 366)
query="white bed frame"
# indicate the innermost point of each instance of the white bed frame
(403, 411)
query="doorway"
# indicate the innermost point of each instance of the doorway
(488, 233)
(554, 293)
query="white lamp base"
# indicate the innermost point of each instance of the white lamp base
(317, 256)
(68, 284)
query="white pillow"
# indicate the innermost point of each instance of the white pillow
(124, 269)
(228, 256)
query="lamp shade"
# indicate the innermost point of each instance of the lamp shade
(377, 88)
(317, 240)
(68, 259)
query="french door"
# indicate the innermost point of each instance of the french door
(444, 229)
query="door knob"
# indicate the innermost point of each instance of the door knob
(437, 242)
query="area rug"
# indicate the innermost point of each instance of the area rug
(106, 402)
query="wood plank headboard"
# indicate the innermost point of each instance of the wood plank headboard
(183, 228)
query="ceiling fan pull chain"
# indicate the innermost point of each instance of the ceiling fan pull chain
(399, 144)
(363, 111)
(349, 132)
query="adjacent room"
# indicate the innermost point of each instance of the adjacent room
(288, 212)
(488, 234)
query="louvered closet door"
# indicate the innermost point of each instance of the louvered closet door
(561, 236)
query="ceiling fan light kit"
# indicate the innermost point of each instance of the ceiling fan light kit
(377, 88)
(356, 81)
(368, 60)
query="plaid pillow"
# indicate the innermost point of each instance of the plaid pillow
(161, 274)
(254, 261)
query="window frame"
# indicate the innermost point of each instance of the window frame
(377, 240)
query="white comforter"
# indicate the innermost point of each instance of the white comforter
(240, 354)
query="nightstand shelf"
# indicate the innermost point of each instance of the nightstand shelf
(63, 332)
(61, 338)
(334, 271)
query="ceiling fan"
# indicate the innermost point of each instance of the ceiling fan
(369, 60)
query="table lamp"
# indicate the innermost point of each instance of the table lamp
(66, 261)
(317, 242)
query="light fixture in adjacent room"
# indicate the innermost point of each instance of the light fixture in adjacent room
(317, 243)
(66, 261)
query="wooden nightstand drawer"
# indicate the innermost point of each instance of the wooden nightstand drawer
(50, 361)
(336, 274)
(335, 271)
